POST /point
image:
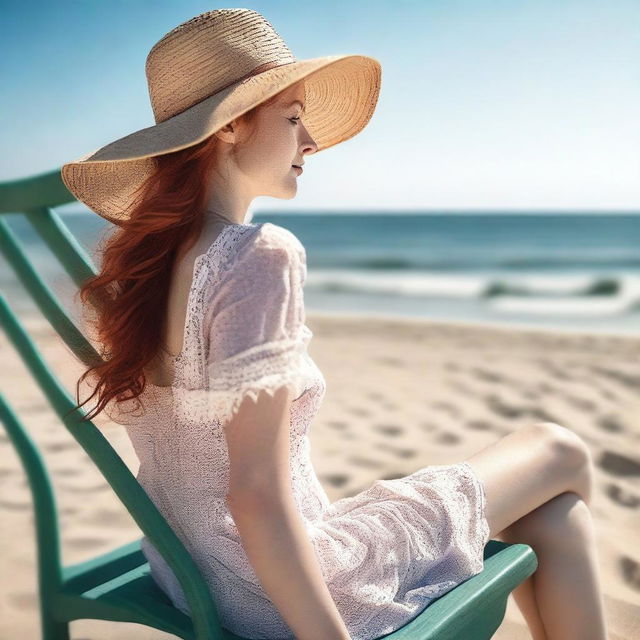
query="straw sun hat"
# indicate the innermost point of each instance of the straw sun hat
(205, 73)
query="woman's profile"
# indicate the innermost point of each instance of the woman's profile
(201, 316)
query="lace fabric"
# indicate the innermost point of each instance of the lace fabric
(385, 552)
(254, 324)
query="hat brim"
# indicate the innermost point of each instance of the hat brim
(341, 93)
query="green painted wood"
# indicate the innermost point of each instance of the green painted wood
(50, 578)
(42, 190)
(86, 575)
(44, 297)
(476, 607)
(62, 243)
(117, 585)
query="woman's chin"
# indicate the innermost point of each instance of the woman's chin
(291, 189)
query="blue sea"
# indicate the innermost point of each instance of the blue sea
(567, 271)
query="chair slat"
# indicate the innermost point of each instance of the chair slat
(45, 298)
(86, 575)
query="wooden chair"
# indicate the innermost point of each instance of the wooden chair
(118, 586)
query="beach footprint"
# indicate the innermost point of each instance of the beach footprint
(618, 464)
(359, 411)
(621, 496)
(629, 380)
(480, 425)
(611, 423)
(487, 375)
(394, 475)
(448, 438)
(388, 429)
(630, 572)
(538, 413)
(368, 463)
(580, 402)
(401, 452)
(505, 409)
(336, 480)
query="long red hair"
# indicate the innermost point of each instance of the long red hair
(129, 295)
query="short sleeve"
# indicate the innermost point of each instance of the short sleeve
(255, 328)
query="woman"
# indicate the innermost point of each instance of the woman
(201, 315)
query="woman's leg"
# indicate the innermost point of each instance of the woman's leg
(538, 482)
(562, 590)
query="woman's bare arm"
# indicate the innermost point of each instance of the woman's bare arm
(271, 529)
(284, 560)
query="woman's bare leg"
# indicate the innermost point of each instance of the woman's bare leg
(555, 596)
(538, 484)
(566, 583)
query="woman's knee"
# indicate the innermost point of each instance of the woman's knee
(568, 446)
(572, 457)
(529, 467)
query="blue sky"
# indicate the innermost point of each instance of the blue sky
(487, 105)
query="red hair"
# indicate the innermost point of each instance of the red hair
(132, 286)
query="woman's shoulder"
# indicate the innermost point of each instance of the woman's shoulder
(242, 249)
(273, 235)
(268, 240)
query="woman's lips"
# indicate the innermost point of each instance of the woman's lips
(297, 168)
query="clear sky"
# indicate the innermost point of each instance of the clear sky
(485, 104)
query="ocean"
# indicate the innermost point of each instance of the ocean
(566, 271)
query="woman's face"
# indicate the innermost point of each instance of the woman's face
(260, 160)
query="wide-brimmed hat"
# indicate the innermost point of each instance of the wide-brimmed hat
(205, 73)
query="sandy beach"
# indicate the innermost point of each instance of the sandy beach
(401, 394)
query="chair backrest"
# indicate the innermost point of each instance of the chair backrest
(34, 198)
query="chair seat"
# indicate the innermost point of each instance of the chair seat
(119, 586)
(132, 596)
(475, 608)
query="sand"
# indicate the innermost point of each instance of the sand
(401, 394)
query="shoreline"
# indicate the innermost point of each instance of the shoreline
(469, 324)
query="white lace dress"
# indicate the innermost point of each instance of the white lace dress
(385, 553)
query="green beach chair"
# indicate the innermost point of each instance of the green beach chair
(117, 585)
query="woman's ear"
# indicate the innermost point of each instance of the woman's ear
(227, 133)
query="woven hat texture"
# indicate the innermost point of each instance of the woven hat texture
(203, 74)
